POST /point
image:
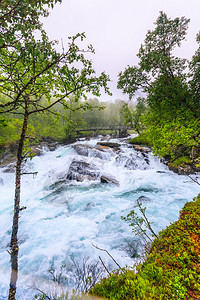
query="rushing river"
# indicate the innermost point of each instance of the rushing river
(64, 218)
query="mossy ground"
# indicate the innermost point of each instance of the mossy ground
(140, 140)
(171, 270)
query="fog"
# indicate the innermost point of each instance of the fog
(116, 29)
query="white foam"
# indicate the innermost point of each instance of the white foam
(64, 219)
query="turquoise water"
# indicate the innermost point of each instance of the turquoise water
(64, 218)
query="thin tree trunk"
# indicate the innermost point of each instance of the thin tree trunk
(14, 248)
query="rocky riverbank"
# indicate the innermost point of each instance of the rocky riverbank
(8, 153)
(182, 165)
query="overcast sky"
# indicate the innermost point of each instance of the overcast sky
(117, 28)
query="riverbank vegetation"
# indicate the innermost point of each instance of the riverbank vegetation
(171, 270)
(60, 124)
(170, 84)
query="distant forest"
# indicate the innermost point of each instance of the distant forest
(58, 122)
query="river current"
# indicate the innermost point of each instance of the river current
(64, 218)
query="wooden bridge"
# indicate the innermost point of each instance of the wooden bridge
(119, 129)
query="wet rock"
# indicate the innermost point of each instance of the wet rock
(102, 148)
(10, 169)
(49, 143)
(52, 147)
(81, 170)
(1, 181)
(114, 146)
(143, 199)
(108, 179)
(128, 162)
(81, 178)
(133, 161)
(104, 154)
(146, 159)
(123, 133)
(96, 151)
(82, 149)
(141, 149)
(182, 169)
(105, 138)
(37, 151)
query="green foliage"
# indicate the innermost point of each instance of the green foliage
(133, 116)
(172, 267)
(184, 160)
(140, 224)
(19, 18)
(156, 54)
(172, 121)
(195, 78)
(10, 133)
(31, 69)
(138, 116)
(169, 97)
(127, 115)
(141, 139)
(103, 114)
(174, 138)
(62, 122)
(156, 58)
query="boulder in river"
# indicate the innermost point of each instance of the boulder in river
(98, 151)
(52, 147)
(81, 170)
(142, 199)
(108, 179)
(82, 149)
(128, 162)
(102, 148)
(114, 146)
(141, 149)
(133, 161)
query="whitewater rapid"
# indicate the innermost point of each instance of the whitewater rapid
(63, 219)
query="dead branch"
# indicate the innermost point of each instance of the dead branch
(29, 173)
(193, 179)
(104, 265)
(107, 253)
(146, 220)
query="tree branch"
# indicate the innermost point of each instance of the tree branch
(107, 253)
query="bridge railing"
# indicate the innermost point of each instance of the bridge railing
(97, 128)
